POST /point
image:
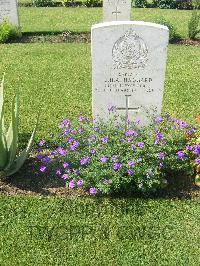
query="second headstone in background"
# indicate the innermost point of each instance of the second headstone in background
(9, 12)
(116, 10)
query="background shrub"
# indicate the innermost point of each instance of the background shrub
(8, 32)
(165, 3)
(193, 24)
(140, 3)
(93, 3)
(43, 3)
(196, 4)
(172, 30)
(184, 4)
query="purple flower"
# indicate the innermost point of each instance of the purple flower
(93, 191)
(161, 165)
(65, 176)
(139, 160)
(85, 160)
(58, 172)
(117, 166)
(74, 145)
(181, 155)
(191, 131)
(114, 158)
(140, 145)
(61, 151)
(130, 133)
(80, 183)
(159, 120)
(72, 184)
(158, 137)
(77, 172)
(65, 165)
(43, 168)
(46, 159)
(197, 161)
(181, 124)
(138, 121)
(96, 129)
(69, 140)
(104, 139)
(103, 159)
(42, 142)
(53, 153)
(189, 148)
(95, 120)
(65, 123)
(111, 108)
(40, 156)
(161, 156)
(66, 131)
(81, 118)
(92, 151)
(131, 163)
(130, 172)
(80, 130)
(72, 131)
(197, 150)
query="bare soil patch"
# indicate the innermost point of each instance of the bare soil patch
(83, 37)
(30, 182)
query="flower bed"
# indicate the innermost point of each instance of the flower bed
(104, 158)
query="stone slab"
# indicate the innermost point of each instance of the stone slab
(9, 10)
(128, 68)
(116, 10)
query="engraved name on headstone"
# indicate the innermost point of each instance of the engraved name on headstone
(128, 68)
(116, 10)
(9, 11)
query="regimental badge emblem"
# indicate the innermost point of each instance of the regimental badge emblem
(130, 51)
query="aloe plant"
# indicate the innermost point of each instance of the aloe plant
(10, 161)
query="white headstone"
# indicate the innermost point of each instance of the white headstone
(9, 11)
(128, 68)
(116, 10)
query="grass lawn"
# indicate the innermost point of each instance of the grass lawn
(91, 231)
(56, 231)
(81, 19)
(58, 78)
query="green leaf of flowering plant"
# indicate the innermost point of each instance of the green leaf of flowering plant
(12, 134)
(23, 156)
(3, 146)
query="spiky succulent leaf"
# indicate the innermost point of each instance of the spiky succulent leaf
(23, 156)
(12, 134)
(3, 147)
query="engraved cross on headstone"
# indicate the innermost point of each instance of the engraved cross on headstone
(116, 12)
(127, 109)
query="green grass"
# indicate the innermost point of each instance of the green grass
(81, 19)
(58, 78)
(73, 231)
(53, 231)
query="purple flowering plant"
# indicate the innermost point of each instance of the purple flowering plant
(104, 158)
